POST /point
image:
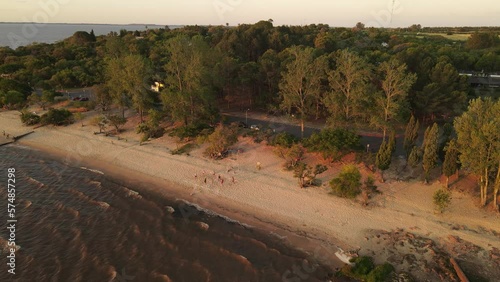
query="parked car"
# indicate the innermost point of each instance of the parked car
(76, 98)
(254, 127)
(84, 99)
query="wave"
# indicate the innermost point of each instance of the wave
(215, 214)
(132, 193)
(32, 180)
(92, 170)
(96, 183)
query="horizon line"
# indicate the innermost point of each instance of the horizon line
(183, 25)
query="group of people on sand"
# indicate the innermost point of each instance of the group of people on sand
(212, 176)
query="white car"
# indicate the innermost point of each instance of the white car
(254, 127)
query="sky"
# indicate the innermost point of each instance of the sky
(378, 13)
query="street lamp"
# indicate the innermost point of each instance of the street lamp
(246, 116)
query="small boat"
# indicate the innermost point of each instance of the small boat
(344, 256)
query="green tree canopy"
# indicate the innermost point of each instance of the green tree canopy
(127, 81)
(348, 183)
(348, 82)
(395, 84)
(478, 141)
(431, 145)
(187, 96)
(451, 162)
(411, 135)
(301, 82)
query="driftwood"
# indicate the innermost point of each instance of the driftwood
(458, 270)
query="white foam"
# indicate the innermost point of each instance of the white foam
(212, 213)
(92, 170)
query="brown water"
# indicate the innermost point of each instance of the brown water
(79, 225)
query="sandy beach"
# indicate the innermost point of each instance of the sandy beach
(270, 199)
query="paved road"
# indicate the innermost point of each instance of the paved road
(82, 92)
(373, 141)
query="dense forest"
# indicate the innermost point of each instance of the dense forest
(348, 77)
(244, 65)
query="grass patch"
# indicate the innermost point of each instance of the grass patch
(454, 37)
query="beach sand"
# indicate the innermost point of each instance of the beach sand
(270, 199)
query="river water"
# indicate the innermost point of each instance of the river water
(21, 34)
(76, 224)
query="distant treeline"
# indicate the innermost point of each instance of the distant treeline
(244, 65)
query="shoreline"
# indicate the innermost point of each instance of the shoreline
(308, 220)
(315, 247)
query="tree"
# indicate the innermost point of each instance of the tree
(42, 101)
(47, 98)
(57, 117)
(441, 199)
(450, 164)
(348, 82)
(100, 121)
(301, 172)
(360, 26)
(333, 143)
(186, 96)
(151, 128)
(482, 40)
(34, 99)
(411, 135)
(392, 143)
(445, 94)
(220, 141)
(395, 85)
(415, 156)
(478, 140)
(117, 121)
(306, 174)
(384, 156)
(102, 97)
(292, 155)
(11, 99)
(127, 81)
(300, 83)
(348, 183)
(431, 145)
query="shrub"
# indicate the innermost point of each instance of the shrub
(348, 183)
(57, 117)
(306, 175)
(151, 128)
(333, 143)
(191, 131)
(365, 270)
(11, 99)
(284, 139)
(100, 121)
(149, 131)
(292, 155)
(28, 118)
(363, 266)
(117, 121)
(220, 141)
(380, 273)
(442, 199)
